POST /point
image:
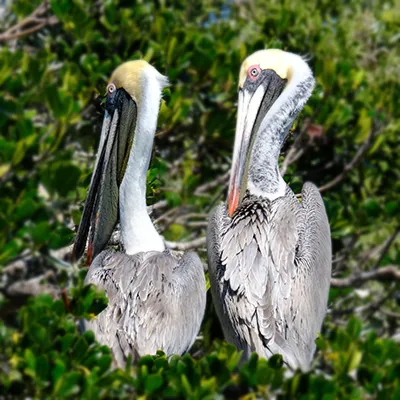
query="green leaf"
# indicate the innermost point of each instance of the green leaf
(80, 348)
(42, 367)
(104, 363)
(276, 361)
(54, 100)
(60, 7)
(30, 359)
(62, 237)
(61, 177)
(4, 168)
(22, 147)
(354, 327)
(68, 385)
(152, 383)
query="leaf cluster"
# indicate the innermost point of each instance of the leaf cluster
(47, 357)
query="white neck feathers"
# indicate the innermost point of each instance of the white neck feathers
(138, 232)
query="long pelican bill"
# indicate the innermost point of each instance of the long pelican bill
(100, 213)
(256, 97)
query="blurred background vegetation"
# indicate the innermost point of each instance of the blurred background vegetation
(55, 59)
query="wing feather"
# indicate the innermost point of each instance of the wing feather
(156, 302)
(313, 271)
(269, 272)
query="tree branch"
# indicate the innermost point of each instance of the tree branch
(168, 216)
(295, 151)
(32, 287)
(354, 162)
(157, 206)
(32, 23)
(387, 273)
(183, 246)
(386, 247)
(379, 274)
(211, 185)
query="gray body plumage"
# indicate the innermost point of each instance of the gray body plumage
(156, 301)
(270, 267)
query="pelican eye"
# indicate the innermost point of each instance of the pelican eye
(111, 88)
(253, 72)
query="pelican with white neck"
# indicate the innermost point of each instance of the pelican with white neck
(269, 255)
(156, 297)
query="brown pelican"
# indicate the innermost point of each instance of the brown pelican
(269, 255)
(156, 298)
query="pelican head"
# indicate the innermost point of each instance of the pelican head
(133, 77)
(127, 95)
(273, 87)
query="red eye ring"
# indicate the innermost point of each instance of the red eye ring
(111, 88)
(253, 72)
